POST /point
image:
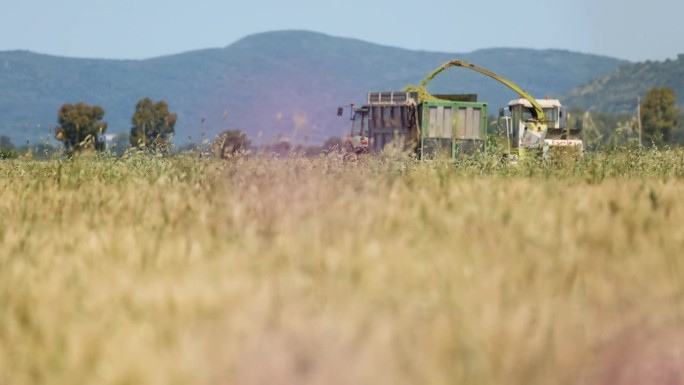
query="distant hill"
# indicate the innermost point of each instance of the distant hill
(617, 92)
(279, 83)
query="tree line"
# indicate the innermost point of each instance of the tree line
(657, 121)
(81, 127)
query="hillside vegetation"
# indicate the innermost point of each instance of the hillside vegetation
(144, 270)
(288, 83)
(617, 92)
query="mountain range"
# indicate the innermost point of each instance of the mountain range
(283, 84)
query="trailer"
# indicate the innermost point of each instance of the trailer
(444, 124)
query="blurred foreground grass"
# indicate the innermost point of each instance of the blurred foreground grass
(325, 271)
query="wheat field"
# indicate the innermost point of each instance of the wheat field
(384, 270)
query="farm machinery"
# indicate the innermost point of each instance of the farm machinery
(427, 124)
(548, 135)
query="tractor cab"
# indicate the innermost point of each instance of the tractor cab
(359, 120)
(356, 140)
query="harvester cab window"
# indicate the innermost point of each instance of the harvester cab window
(562, 118)
(551, 114)
(528, 114)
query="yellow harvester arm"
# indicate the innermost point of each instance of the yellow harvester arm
(460, 63)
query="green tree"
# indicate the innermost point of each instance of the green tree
(659, 114)
(229, 143)
(81, 127)
(153, 124)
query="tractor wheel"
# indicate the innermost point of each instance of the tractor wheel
(349, 148)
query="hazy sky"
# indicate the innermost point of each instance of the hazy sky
(636, 30)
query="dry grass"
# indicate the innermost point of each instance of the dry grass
(385, 271)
